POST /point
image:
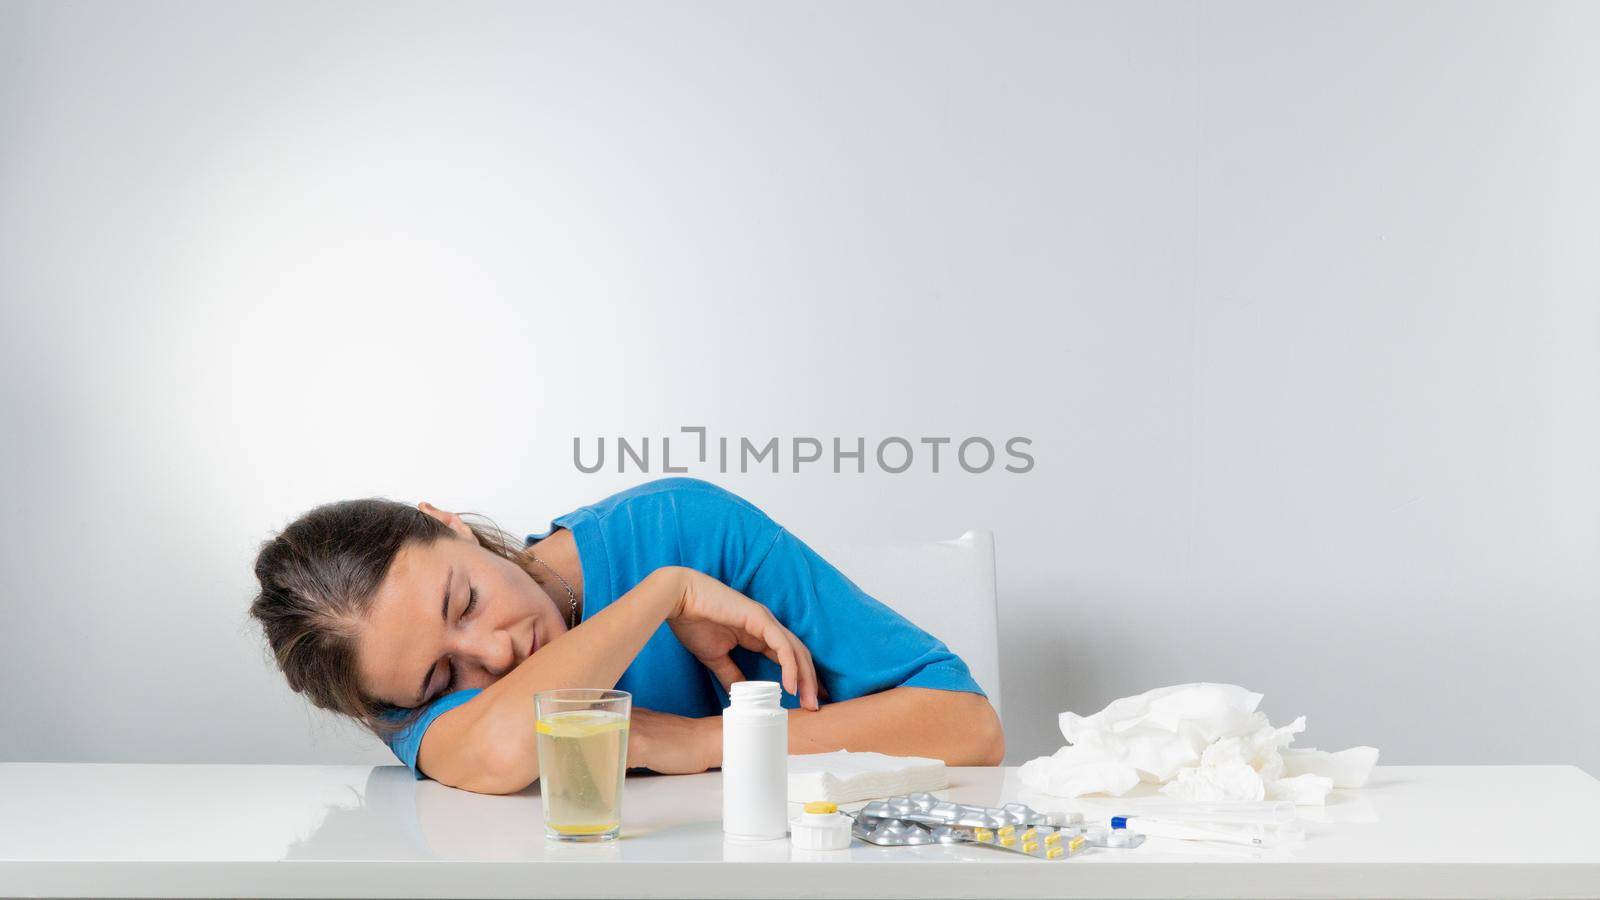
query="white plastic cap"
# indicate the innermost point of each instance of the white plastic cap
(820, 827)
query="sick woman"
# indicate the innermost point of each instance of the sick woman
(435, 633)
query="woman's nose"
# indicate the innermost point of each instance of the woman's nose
(493, 651)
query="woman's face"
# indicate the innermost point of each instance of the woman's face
(407, 652)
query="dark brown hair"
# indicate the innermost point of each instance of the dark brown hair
(318, 580)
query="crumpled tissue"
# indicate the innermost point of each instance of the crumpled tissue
(1347, 768)
(1202, 742)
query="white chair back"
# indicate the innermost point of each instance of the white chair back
(946, 588)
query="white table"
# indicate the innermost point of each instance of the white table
(356, 831)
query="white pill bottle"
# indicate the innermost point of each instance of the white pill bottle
(755, 763)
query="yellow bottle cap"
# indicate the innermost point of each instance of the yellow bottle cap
(821, 806)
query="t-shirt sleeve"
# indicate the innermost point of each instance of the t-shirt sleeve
(408, 741)
(859, 645)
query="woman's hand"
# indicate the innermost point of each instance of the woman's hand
(712, 619)
(673, 745)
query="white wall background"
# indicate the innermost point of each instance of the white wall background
(1300, 304)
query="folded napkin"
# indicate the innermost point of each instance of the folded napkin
(843, 776)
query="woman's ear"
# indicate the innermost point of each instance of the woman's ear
(449, 518)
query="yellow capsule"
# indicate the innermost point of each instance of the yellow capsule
(982, 835)
(1052, 839)
(1008, 831)
(1007, 840)
(1029, 835)
(1076, 844)
(820, 806)
(1054, 853)
(1029, 846)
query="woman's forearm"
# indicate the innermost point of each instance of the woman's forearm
(594, 654)
(959, 727)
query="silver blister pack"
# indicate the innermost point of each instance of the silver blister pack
(911, 819)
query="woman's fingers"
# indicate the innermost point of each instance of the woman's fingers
(726, 670)
(809, 682)
(806, 669)
(808, 675)
(785, 648)
(777, 638)
(753, 627)
(752, 641)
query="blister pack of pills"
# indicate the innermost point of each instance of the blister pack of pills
(922, 818)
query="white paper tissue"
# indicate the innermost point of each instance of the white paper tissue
(1201, 742)
(843, 776)
(1347, 768)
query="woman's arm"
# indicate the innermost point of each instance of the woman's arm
(492, 746)
(959, 727)
(487, 744)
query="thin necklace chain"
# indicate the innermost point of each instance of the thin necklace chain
(572, 596)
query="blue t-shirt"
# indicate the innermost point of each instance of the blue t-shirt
(859, 645)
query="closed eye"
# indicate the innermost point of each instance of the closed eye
(472, 601)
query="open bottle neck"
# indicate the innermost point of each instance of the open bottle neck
(755, 695)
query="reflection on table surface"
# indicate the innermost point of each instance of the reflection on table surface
(199, 813)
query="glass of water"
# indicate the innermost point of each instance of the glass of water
(583, 758)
